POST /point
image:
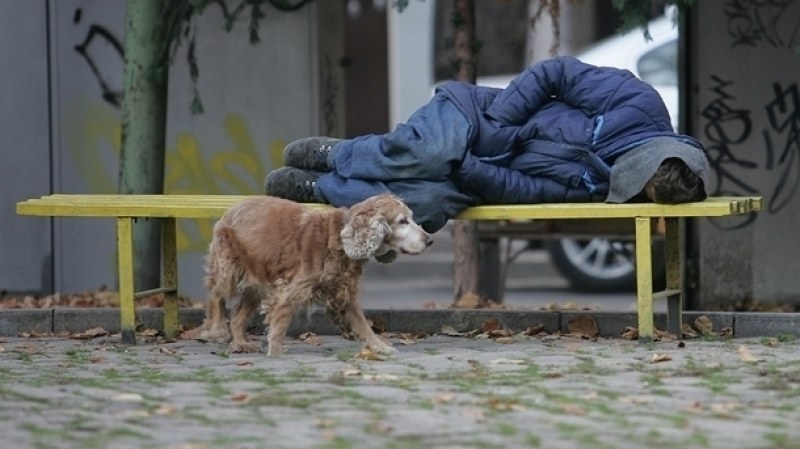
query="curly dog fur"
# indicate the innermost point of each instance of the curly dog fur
(286, 256)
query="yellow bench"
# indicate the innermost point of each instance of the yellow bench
(126, 208)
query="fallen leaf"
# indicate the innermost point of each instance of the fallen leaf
(89, 334)
(311, 338)
(504, 340)
(369, 354)
(636, 399)
(128, 397)
(532, 331)
(443, 398)
(96, 359)
(631, 333)
(746, 356)
(150, 332)
(450, 331)
(687, 331)
(660, 358)
(704, 325)
(490, 325)
(240, 398)
(164, 410)
(469, 300)
(583, 325)
(351, 371)
(507, 362)
(244, 363)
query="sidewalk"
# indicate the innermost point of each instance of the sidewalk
(436, 392)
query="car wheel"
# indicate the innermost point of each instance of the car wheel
(602, 265)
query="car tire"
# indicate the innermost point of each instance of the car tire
(602, 265)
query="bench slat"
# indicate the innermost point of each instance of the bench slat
(213, 206)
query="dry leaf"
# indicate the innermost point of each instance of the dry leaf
(631, 333)
(244, 363)
(704, 325)
(504, 340)
(532, 331)
(583, 325)
(310, 338)
(687, 331)
(165, 409)
(443, 398)
(490, 325)
(128, 397)
(369, 354)
(240, 398)
(150, 332)
(351, 371)
(660, 358)
(746, 356)
(469, 300)
(664, 335)
(449, 331)
(89, 334)
(507, 362)
(96, 359)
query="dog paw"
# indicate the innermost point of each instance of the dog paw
(383, 348)
(214, 335)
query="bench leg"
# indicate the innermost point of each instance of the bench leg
(644, 278)
(170, 281)
(674, 273)
(126, 289)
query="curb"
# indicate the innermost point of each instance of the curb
(16, 322)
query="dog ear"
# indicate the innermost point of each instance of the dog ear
(363, 233)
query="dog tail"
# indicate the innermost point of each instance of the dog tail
(222, 265)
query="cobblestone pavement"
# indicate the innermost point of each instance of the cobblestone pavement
(436, 392)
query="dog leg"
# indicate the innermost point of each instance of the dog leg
(242, 313)
(214, 328)
(278, 321)
(360, 325)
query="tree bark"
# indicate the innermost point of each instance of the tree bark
(141, 168)
(465, 233)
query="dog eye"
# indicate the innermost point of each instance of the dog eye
(403, 221)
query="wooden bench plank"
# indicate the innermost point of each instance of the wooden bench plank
(213, 206)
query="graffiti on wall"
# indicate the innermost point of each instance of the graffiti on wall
(770, 22)
(746, 140)
(94, 136)
(729, 128)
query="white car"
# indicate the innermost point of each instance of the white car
(601, 264)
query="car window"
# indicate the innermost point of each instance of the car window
(659, 66)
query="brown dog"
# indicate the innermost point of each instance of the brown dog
(287, 256)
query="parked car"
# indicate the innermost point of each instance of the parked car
(602, 264)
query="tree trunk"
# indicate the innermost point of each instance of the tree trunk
(465, 233)
(144, 101)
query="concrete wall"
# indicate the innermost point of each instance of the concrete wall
(256, 99)
(745, 107)
(24, 143)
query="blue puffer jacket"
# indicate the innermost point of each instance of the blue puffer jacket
(554, 132)
(550, 136)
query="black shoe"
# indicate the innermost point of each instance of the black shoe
(292, 184)
(310, 153)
